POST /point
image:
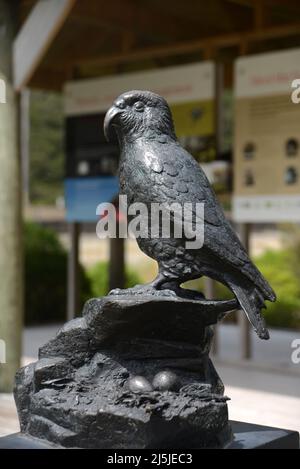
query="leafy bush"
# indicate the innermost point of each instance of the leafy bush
(280, 269)
(46, 276)
(98, 275)
(221, 292)
(46, 147)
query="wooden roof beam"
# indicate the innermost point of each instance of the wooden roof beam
(128, 15)
(260, 14)
(35, 37)
(179, 48)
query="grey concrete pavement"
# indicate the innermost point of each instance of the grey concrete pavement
(273, 353)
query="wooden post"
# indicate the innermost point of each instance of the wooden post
(25, 142)
(11, 272)
(73, 280)
(210, 285)
(210, 292)
(244, 232)
(117, 263)
(245, 329)
(219, 118)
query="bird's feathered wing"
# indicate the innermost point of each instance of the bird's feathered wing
(172, 174)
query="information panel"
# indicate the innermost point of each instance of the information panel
(267, 139)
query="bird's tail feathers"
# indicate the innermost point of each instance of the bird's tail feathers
(263, 288)
(252, 301)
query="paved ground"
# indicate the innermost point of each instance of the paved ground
(265, 391)
(273, 353)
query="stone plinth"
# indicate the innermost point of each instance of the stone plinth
(133, 372)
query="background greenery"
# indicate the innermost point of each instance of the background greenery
(282, 270)
(46, 169)
(98, 276)
(46, 277)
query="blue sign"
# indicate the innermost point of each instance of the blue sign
(83, 195)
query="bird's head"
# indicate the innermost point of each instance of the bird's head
(136, 114)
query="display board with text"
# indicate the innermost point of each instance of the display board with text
(267, 139)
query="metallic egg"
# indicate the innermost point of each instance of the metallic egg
(139, 384)
(165, 381)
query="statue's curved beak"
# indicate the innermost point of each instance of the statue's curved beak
(109, 121)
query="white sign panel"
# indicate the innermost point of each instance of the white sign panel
(177, 84)
(266, 74)
(267, 138)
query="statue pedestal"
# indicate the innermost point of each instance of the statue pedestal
(245, 436)
(133, 372)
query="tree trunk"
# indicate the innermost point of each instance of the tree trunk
(11, 275)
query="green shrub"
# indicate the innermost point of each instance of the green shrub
(98, 275)
(46, 276)
(279, 268)
(221, 292)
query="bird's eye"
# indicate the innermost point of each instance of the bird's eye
(139, 106)
(121, 104)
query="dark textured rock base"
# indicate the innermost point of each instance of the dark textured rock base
(83, 390)
(245, 436)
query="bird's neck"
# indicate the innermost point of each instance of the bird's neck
(147, 136)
